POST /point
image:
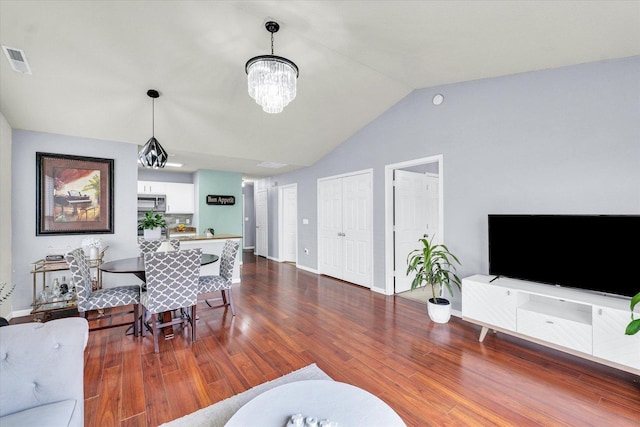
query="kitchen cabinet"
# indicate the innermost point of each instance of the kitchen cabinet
(180, 198)
(151, 187)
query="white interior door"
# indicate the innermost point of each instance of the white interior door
(345, 228)
(411, 222)
(357, 229)
(289, 224)
(261, 223)
(330, 227)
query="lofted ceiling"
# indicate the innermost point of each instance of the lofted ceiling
(93, 62)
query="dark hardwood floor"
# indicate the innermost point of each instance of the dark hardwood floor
(431, 374)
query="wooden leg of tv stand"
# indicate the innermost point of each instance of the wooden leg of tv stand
(483, 333)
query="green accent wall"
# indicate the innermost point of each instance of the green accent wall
(223, 219)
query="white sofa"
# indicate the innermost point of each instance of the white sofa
(42, 373)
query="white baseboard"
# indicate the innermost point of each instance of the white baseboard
(20, 313)
(380, 291)
(310, 270)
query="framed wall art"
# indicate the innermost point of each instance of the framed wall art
(74, 194)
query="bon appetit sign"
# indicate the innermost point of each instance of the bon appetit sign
(221, 200)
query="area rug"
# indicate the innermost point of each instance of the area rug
(420, 294)
(219, 413)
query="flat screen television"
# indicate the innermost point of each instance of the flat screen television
(594, 252)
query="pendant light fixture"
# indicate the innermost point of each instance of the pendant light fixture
(272, 79)
(152, 154)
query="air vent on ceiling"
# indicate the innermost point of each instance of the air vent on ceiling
(272, 165)
(17, 59)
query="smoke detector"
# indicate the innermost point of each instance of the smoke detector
(17, 59)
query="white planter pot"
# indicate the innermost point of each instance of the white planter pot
(153, 234)
(439, 313)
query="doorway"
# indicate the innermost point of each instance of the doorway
(261, 223)
(288, 223)
(413, 210)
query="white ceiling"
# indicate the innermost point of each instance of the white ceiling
(93, 62)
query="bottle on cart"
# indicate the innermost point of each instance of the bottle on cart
(72, 289)
(45, 296)
(64, 286)
(56, 289)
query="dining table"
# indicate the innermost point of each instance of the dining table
(135, 266)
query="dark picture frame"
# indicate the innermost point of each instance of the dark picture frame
(74, 194)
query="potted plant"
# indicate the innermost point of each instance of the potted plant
(433, 265)
(4, 295)
(152, 224)
(634, 326)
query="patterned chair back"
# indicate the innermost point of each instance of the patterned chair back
(228, 259)
(81, 276)
(147, 246)
(172, 279)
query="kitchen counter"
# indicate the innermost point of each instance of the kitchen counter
(213, 245)
(176, 235)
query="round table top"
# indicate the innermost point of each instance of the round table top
(136, 264)
(341, 403)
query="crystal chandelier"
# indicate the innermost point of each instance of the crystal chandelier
(152, 154)
(272, 79)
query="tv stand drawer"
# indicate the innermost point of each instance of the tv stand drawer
(572, 334)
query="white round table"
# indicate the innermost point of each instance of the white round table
(338, 402)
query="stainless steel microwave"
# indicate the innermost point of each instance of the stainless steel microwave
(152, 202)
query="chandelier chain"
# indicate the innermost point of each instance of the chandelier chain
(153, 117)
(271, 43)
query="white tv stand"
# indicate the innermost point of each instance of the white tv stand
(582, 323)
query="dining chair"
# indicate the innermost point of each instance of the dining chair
(172, 284)
(223, 281)
(98, 300)
(146, 246)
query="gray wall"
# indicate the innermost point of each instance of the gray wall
(555, 141)
(27, 247)
(5, 215)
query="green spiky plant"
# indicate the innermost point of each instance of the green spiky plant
(433, 265)
(4, 295)
(151, 220)
(634, 326)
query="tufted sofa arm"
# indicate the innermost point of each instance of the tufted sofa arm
(42, 373)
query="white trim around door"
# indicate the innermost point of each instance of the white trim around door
(287, 223)
(389, 246)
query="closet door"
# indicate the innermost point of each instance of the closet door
(261, 223)
(357, 229)
(330, 227)
(345, 229)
